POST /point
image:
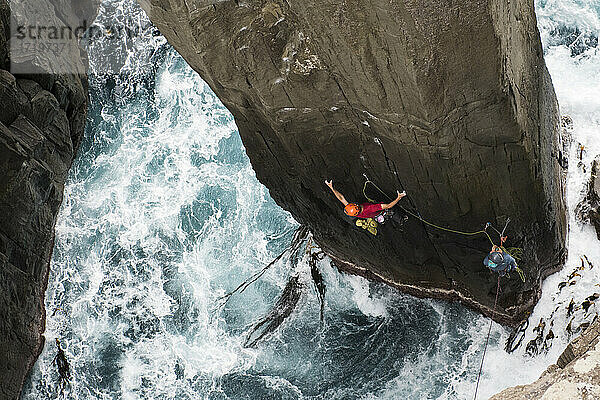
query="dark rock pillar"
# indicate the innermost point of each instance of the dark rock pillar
(448, 100)
(42, 118)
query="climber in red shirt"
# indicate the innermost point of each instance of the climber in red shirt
(364, 210)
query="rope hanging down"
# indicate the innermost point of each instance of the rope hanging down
(483, 231)
(487, 340)
(515, 250)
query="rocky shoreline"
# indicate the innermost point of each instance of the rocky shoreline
(322, 91)
(576, 374)
(41, 125)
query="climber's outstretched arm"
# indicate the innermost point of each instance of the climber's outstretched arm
(337, 194)
(393, 203)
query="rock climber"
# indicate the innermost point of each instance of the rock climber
(364, 210)
(500, 261)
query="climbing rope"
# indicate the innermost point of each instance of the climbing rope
(487, 339)
(483, 231)
(521, 274)
(515, 252)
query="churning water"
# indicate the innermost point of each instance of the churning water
(163, 215)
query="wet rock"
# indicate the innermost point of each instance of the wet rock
(318, 282)
(548, 340)
(576, 374)
(516, 336)
(580, 152)
(588, 262)
(576, 41)
(434, 98)
(62, 366)
(179, 370)
(570, 308)
(566, 124)
(283, 308)
(534, 346)
(574, 274)
(569, 327)
(41, 124)
(588, 209)
(584, 326)
(586, 305)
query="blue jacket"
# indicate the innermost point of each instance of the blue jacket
(504, 267)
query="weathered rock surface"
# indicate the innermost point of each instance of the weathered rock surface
(576, 374)
(41, 124)
(589, 209)
(448, 100)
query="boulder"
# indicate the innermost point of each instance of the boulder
(449, 101)
(588, 210)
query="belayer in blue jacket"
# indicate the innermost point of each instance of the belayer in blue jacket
(500, 261)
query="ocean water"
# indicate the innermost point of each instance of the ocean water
(163, 215)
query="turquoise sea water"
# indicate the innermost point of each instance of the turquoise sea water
(163, 215)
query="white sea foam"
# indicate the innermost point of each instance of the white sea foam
(363, 299)
(163, 214)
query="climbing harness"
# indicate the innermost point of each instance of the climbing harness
(487, 339)
(371, 224)
(514, 252)
(384, 216)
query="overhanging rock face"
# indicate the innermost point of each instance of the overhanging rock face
(448, 100)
